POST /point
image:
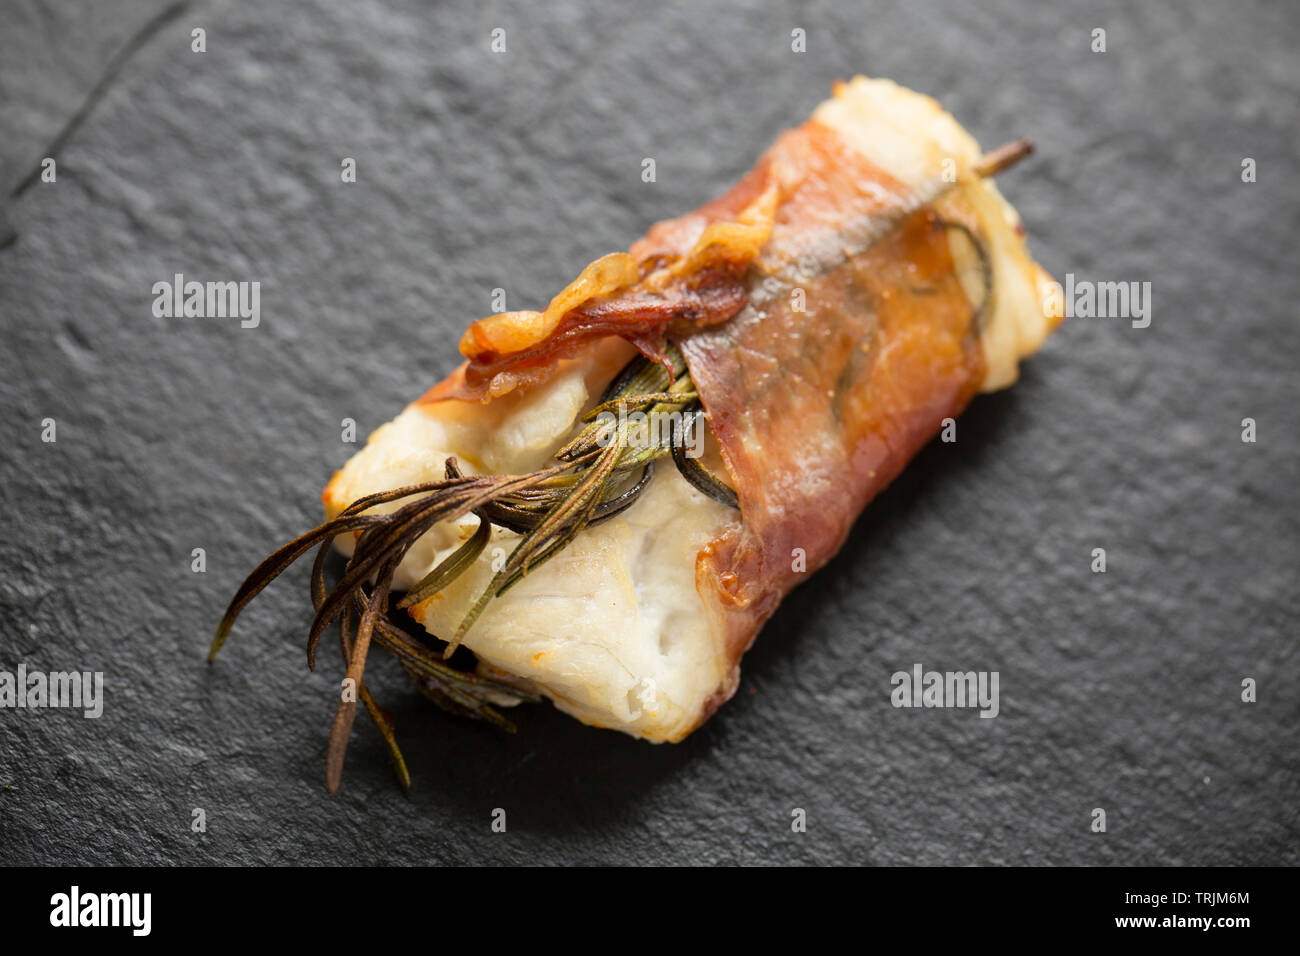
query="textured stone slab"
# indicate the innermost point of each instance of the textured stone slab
(477, 170)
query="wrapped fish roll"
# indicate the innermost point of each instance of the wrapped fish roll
(609, 498)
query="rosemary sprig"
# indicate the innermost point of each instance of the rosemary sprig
(597, 475)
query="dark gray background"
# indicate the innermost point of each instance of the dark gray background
(478, 170)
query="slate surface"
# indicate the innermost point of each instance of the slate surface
(477, 170)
